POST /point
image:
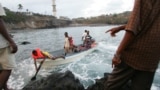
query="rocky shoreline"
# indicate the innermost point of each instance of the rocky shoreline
(67, 81)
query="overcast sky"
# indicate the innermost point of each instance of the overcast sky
(71, 8)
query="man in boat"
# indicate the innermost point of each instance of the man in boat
(71, 43)
(73, 47)
(39, 54)
(83, 36)
(88, 40)
(76, 49)
(66, 43)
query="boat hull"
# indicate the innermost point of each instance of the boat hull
(71, 57)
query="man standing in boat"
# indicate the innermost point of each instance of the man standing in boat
(66, 43)
(88, 40)
(83, 36)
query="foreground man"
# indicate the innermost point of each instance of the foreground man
(138, 55)
(7, 50)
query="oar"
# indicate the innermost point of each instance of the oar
(34, 77)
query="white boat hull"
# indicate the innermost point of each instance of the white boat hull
(68, 59)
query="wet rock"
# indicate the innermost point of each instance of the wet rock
(99, 85)
(56, 81)
(25, 42)
(67, 81)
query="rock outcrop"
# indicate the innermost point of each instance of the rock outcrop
(37, 22)
(67, 81)
(56, 81)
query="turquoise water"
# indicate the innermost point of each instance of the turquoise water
(87, 69)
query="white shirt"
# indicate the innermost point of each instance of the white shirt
(3, 42)
(67, 42)
(2, 12)
(84, 35)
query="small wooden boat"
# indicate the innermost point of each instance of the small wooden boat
(70, 57)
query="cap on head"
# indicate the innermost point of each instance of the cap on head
(34, 52)
(2, 12)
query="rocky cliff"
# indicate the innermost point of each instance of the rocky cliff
(37, 22)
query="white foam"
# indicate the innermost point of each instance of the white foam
(24, 70)
(108, 46)
(154, 87)
(86, 69)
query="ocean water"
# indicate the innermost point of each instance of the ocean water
(86, 69)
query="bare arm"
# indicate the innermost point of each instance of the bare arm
(5, 34)
(35, 64)
(115, 30)
(128, 37)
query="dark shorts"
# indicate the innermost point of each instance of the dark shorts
(121, 74)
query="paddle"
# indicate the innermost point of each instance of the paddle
(34, 77)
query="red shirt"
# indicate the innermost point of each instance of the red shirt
(39, 54)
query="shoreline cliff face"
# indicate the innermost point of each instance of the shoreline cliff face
(30, 20)
(36, 22)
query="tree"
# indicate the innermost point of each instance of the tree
(27, 10)
(20, 7)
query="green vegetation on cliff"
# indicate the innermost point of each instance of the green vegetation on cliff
(26, 20)
(16, 17)
(121, 18)
(13, 17)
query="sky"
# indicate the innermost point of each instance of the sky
(71, 8)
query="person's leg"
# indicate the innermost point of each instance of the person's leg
(68, 49)
(4, 76)
(120, 75)
(7, 63)
(83, 43)
(142, 80)
(71, 48)
(65, 51)
(6, 87)
(60, 57)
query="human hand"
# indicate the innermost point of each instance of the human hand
(116, 60)
(113, 31)
(13, 47)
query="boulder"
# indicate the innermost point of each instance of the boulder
(67, 81)
(25, 43)
(56, 81)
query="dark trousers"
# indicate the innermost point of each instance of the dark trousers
(121, 74)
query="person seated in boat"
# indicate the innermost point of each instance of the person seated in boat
(71, 43)
(76, 49)
(72, 47)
